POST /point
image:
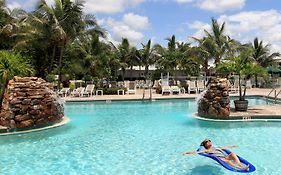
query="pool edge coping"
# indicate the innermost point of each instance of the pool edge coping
(153, 99)
(64, 121)
(194, 115)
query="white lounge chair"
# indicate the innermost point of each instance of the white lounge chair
(192, 87)
(166, 89)
(200, 86)
(175, 90)
(126, 83)
(64, 92)
(141, 84)
(78, 92)
(89, 90)
(132, 88)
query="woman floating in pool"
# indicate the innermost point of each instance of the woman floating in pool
(231, 158)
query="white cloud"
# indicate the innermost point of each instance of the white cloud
(121, 30)
(200, 27)
(91, 6)
(220, 5)
(136, 21)
(27, 4)
(184, 1)
(13, 5)
(216, 5)
(245, 26)
(109, 6)
(130, 27)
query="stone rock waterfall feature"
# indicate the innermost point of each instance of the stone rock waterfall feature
(215, 101)
(29, 102)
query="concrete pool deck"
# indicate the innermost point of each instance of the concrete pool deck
(139, 93)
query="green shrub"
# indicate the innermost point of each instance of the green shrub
(71, 86)
(50, 77)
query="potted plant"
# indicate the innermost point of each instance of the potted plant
(245, 67)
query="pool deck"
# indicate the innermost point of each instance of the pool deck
(139, 95)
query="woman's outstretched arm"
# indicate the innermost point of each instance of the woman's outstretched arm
(227, 147)
(195, 152)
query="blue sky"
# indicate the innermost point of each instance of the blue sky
(140, 20)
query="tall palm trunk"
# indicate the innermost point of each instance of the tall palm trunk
(60, 67)
(52, 58)
(131, 73)
(206, 65)
(123, 74)
(217, 60)
(256, 80)
(145, 78)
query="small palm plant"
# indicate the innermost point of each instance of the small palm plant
(245, 67)
(11, 64)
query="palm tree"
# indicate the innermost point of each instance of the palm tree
(261, 54)
(123, 51)
(10, 23)
(189, 60)
(95, 57)
(170, 56)
(205, 51)
(66, 21)
(10, 65)
(218, 40)
(147, 56)
(133, 59)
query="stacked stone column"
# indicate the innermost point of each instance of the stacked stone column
(215, 100)
(28, 102)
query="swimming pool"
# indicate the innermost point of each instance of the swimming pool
(134, 137)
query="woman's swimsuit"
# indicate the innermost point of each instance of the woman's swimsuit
(217, 153)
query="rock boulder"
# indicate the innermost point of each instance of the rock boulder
(28, 102)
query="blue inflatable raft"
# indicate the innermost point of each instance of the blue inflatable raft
(226, 165)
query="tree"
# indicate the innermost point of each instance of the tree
(244, 66)
(11, 64)
(170, 56)
(127, 56)
(219, 40)
(147, 56)
(95, 57)
(189, 60)
(10, 23)
(66, 21)
(204, 51)
(261, 54)
(215, 45)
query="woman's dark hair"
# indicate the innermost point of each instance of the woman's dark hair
(204, 142)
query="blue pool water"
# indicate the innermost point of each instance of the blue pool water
(138, 138)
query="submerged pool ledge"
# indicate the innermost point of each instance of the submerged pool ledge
(254, 113)
(4, 131)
